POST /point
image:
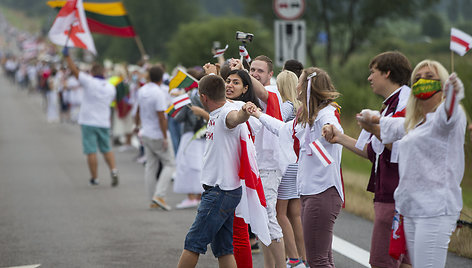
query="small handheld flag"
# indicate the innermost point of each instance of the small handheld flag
(460, 41)
(220, 52)
(71, 23)
(243, 52)
(182, 80)
(321, 152)
(177, 104)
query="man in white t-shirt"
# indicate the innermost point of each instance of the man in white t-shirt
(94, 117)
(262, 70)
(214, 221)
(152, 103)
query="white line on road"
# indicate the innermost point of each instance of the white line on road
(26, 266)
(351, 251)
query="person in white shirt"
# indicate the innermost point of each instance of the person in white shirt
(431, 161)
(261, 71)
(319, 162)
(94, 117)
(214, 220)
(151, 115)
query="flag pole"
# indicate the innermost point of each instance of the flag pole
(452, 61)
(139, 43)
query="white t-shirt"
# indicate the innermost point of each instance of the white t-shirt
(221, 158)
(267, 153)
(431, 163)
(312, 177)
(151, 99)
(97, 97)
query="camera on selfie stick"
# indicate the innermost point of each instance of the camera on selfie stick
(245, 38)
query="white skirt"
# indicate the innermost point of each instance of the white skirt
(189, 163)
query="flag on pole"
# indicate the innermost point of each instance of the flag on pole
(243, 52)
(108, 18)
(182, 80)
(252, 207)
(460, 41)
(70, 23)
(220, 52)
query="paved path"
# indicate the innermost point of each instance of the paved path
(50, 216)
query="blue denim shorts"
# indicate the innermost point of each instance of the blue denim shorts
(93, 137)
(214, 222)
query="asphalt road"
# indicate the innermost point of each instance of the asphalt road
(50, 215)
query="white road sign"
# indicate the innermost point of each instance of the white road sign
(289, 9)
(290, 41)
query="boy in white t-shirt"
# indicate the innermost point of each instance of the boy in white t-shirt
(214, 221)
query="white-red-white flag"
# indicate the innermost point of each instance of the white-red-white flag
(460, 41)
(70, 26)
(321, 152)
(220, 52)
(243, 52)
(252, 207)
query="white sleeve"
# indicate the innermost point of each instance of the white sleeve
(391, 129)
(84, 80)
(272, 124)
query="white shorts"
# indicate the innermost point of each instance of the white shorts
(270, 182)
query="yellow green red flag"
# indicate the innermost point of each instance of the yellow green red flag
(104, 16)
(182, 80)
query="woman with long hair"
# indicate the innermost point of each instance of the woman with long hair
(431, 161)
(319, 179)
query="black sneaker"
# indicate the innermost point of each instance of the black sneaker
(255, 248)
(93, 182)
(114, 179)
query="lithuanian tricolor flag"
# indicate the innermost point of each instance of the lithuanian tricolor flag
(182, 80)
(104, 16)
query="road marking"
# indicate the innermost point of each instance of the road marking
(26, 266)
(351, 251)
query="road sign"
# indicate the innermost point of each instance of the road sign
(290, 41)
(289, 9)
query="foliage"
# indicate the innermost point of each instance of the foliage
(432, 25)
(192, 43)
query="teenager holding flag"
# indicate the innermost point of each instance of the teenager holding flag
(431, 160)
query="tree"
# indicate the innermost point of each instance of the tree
(347, 23)
(192, 43)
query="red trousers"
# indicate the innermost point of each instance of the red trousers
(241, 245)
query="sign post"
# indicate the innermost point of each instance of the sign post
(290, 33)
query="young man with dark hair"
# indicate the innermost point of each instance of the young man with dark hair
(152, 118)
(214, 221)
(94, 117)
(389, 75)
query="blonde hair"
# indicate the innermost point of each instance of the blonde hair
(322, 93)
(414, 112)
(287, 85)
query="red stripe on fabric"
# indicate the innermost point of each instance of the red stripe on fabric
(296, 141)
(175, 112)
(179, 101)
(250, 131)
(98, 27)
(273, 106)
(342, 184)
(400, 113)
(461, 42)
(321, 152)
(451, 109)
(246, 173)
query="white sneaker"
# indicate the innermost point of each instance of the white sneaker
(187, 203)
(299, 264)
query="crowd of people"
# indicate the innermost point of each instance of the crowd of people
(415, 143)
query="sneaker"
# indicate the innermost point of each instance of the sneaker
(141, 159)
(255, 248)
(298, 264)
(93, 182)
(188, 203)
(114, 179)
(161, 203)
